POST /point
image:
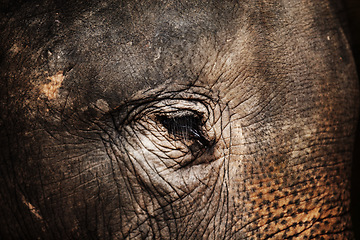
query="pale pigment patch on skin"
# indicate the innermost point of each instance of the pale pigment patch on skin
(51, 89)
(15, 49)
(102, 105)
(301, 138)
(32, 209)
(158, 54)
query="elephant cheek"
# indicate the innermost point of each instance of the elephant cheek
(182, 199)
(280, 189)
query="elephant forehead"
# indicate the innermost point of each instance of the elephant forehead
(115, 51)
(119, 52)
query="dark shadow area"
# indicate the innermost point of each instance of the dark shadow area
(355, 187)
(352, 8)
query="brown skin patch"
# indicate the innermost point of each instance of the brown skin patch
(51, 89)
(32, 209)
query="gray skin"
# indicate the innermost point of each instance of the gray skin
(176, 120)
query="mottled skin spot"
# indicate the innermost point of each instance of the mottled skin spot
(32, 209)
(51, 88)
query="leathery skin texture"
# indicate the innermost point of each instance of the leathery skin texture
(176, 120)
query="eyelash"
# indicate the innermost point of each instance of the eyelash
(186, 127)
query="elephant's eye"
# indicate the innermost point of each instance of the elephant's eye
(185, 127)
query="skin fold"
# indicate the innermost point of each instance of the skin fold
(176, 120)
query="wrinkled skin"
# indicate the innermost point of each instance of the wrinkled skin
(176, 120)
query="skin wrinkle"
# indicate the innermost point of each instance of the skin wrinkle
(315, 158)
(144, 157)
(114, 179)
(134, 167)
(212, 192)
(170, 185)
(168, 148)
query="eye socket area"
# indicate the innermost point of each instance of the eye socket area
(173, 120)
(176, 131)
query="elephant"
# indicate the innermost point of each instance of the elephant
(176, 119)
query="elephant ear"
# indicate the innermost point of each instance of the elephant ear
(352, 8)
(353, 14)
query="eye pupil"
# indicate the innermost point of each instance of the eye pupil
(186, 127)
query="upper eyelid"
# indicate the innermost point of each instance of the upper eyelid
(179, 113)
(165, 106)
(174, 107)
